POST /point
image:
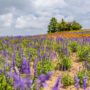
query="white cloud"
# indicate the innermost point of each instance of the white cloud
(6, 20)
(21, 22)
(79, 6)
(29, 21)
(69, 18)
(48, 4)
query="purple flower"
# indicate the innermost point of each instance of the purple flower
(28, 82)
(58, 39)
(84, 82)
(24, 67)
(1, 71)
(20, 83)
(66, 51)
(42, 79)
(76, 82)
(49, 74)
(17, 81)
(56, 86)
(4, 53)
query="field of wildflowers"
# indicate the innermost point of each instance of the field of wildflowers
(50, 62)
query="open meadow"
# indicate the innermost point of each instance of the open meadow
(47, 62)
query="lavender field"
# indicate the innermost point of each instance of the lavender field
(39, 63)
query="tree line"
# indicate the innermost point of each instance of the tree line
(55, 26)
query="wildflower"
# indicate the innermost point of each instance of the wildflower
(24, 67)
(1, 71)
(42, 78)
(56, 86)
(84, 82)
(17, 81)
(20, 83)
(76, 82)
(58, 39)
(28, 82)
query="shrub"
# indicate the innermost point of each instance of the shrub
(73, 46)
(66, 80)
(83, 53)
(64, 63)
(81, 74)
(60, 51)
(44, 66)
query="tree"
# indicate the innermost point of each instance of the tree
(52, 27)
(76, 26)
(55, 26)
(62, 26)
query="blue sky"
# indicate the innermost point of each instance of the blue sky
(31, 17)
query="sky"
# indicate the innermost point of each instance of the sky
(31, 17)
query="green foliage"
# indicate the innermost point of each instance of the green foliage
(55, 26)
(75, 26)
(3, 84)
(44, 66)
(64, 63)
(32, 51)
(80, 75)
(59, 51)
(52, 25)
(73, 46)
(17, 58)
(88, 75)
(62, 26)
(1, 45)
(68, 26)
(66, 80)
(83, 53)
(2, 62)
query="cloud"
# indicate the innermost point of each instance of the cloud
(78, 8)
(43, 4)
(6, 20)
(69, 18)
(29, 21)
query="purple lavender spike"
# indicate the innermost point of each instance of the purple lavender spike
(84, 82)
(24, 67)
(16, 79)
(76, 82)
(1, 71)
(42, 79)
(57, 84)
(28, 82)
